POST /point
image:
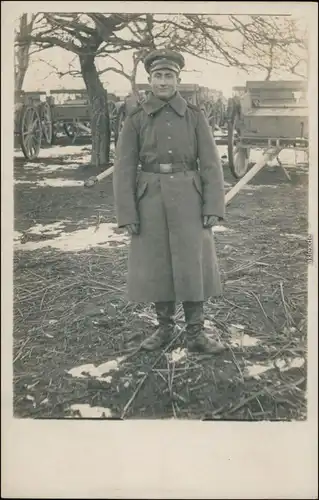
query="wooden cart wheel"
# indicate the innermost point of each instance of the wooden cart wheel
(46, 121)
(238, 157)
(30, 132)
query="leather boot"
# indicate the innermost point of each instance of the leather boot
(197, 340)
(164, 334)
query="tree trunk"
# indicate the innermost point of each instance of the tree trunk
(133, 81)
(22, 55)
(100, 123)
(137, 58)
(21, 66)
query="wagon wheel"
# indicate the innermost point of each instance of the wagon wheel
(112, 117)
(238, 157)
(46, 121)
(30, 132)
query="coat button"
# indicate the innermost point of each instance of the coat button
(170, 151)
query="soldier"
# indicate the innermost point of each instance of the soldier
(170, 205)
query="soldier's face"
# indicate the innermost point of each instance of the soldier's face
(164, 83)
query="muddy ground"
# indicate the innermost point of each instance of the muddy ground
(76, 339)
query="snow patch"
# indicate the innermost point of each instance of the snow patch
(56, 151)
(289, 364)
(243, 340)
(258, 369)
(87, 411)
(98, 372)
(54, 228)
(50, 169)
(64, 151)
(221, 229)
(209, 325)
(177, 355)
(78, 240)
(294, 236)
(287, 156)
(58, 182)
(23, 182)
(17, 235)
(31, 398)
(240, 338)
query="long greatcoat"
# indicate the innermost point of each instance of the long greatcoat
(174, 257)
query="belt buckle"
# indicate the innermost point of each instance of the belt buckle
(165, 168)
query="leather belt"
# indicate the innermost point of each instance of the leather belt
(168, 168)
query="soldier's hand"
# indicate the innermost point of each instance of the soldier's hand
(210, 221)
(133, 229)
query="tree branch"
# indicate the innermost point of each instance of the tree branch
(51, 41)
(115, 70)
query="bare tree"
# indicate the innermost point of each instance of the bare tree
(22, 52)
(274, 44)
(271, 44)
(78, 33)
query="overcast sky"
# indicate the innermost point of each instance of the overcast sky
(41, 75)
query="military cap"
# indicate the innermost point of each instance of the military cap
(164, 59)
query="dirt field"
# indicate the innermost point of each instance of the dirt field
(76, 339)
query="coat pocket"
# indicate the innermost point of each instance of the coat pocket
(198, 185)
(140, 191)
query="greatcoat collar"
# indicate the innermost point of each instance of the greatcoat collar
(154, 104)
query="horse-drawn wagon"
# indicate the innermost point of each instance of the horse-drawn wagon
(212, 103)
(72, 112)
(271, 115)
(39, 116)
